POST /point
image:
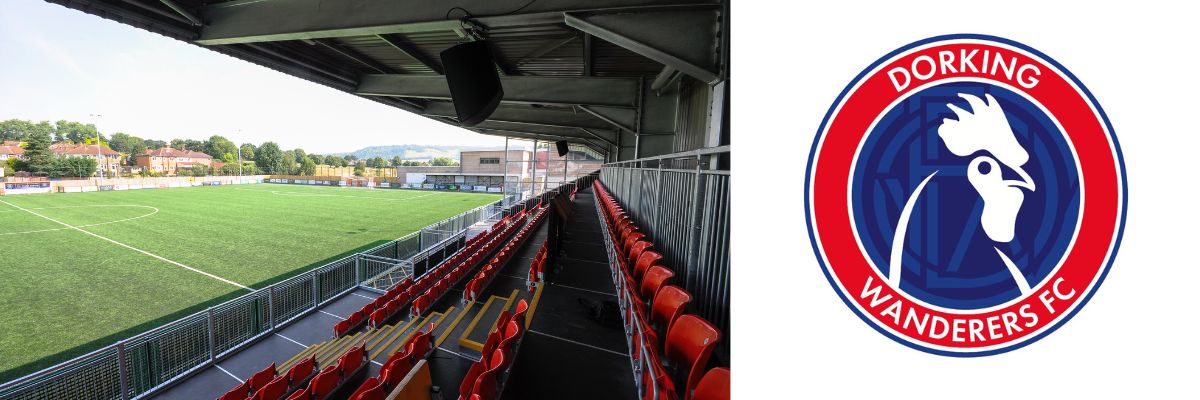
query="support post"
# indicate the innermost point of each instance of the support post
(693, 229)
(271, 305)
(316, 291)
(212, 339)
(123, 372)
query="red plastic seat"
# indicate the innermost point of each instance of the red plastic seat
(654, 279)
(668, 305)
(371, 389)
(468, 382)
(713, 386)
(238, 393)
(485, 385)
(353, 359)
(357, 317)
(636, 252)
(302, 394)
(647, 259)
(261, 378)
(512, 333)
(421, 343)
(325, 382)
(273, 390)
(520, 311)
(341, 328)
(690, 341)
(301, 371)
(394, 370)
(378, 317)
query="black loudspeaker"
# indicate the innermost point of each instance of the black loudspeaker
(473, 80)
(562, 148)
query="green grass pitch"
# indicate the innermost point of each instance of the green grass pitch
(64, 292)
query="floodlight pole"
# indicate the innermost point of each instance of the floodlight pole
(240, 172)
(101, 168)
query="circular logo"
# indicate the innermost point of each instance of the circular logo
(965, 195)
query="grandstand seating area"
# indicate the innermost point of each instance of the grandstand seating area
(532, 320)
(671, 349)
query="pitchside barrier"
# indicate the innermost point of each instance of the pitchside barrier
(144, 364)
(103, 185)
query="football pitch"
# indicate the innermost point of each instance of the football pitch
(80, 271)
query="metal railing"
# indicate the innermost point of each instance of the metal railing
(146, 363)
(681, 201)
(635, 335)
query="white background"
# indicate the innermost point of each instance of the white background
(1136, 338)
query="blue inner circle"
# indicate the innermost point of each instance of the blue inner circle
(948, 260)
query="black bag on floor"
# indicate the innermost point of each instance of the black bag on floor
(605, 313)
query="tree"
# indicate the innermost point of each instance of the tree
(316, 158)
(228, 158)
(74, 131)
(153, 144)
(308, 167)
(441, 161)
(269, 159)
(396, 161)
(360, 168)
(195, 145)
(300, 155)
(289, 159)
(351, 157)
(15, 129)
(178, 144)
(124, 143)
(248, 151)
(229, 169)
(218, 146)
(376, 162)
(333, 161)
(72, 166)
(37, 153)
(342, 162)
(199, 170)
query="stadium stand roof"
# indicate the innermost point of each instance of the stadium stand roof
(602, 73)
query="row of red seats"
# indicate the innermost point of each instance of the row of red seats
(268, 385)
(437, 282)
(438, 289)
(374, 314)
(475, 286)
(334, 377)
(482, 381)
(638, 274)
(537, 269)
(397, 366)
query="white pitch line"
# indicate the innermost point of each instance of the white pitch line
(156, 256)
(291, 340)
(331, 314)
(229, 373)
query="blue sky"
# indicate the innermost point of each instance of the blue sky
(58, 63)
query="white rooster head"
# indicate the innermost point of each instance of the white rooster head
(986, 127)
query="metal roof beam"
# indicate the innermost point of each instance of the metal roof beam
(247, 21)
(683, 39)
(610, 92)
(543, 50)
(528, 116)
(557, 132)
(402, 44)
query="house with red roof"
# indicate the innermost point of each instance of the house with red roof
(108, 160)
(169, 160)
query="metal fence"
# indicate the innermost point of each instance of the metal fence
(143, 364)
(681, 200)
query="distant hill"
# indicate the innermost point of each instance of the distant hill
(414, 152)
